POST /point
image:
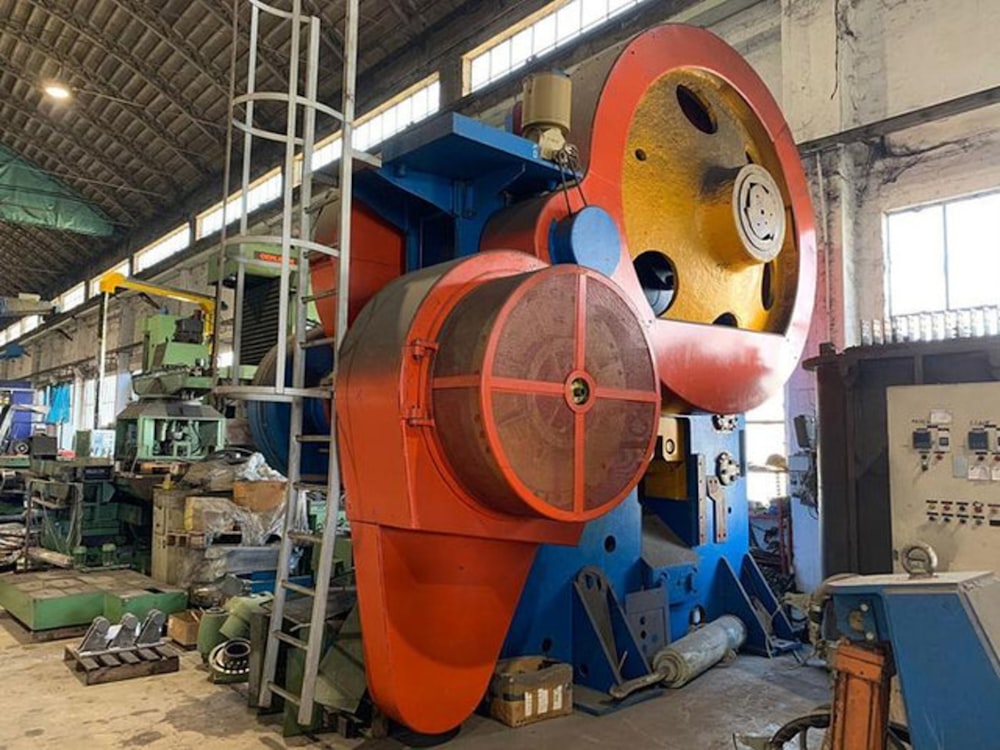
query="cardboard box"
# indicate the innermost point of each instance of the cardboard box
(259, 496)
(209, 514)
(530, 689)
(182, 628)
(210, 476)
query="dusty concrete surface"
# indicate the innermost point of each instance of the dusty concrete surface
(45, 706)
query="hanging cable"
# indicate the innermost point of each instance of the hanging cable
(568, 159)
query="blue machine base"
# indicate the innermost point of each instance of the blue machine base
(543, 622)
(650, 546)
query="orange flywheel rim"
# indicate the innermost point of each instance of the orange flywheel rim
(753, 367)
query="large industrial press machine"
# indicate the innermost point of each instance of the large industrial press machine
(555, 331)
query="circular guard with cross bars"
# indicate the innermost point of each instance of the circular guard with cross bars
(545, 394)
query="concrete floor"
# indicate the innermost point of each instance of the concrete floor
(45, 706)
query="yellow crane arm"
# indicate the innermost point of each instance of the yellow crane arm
(112, 282)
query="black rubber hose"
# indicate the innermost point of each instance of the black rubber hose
(797, 726)
(898, 735)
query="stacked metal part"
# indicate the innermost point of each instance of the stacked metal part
(530, 339)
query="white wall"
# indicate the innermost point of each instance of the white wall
(848, 63)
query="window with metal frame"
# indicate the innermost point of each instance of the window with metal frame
(393, 116)
(169, 244)
(30, 323)
(943, 256)
(73, 297)
(551, 27)
(262, 191)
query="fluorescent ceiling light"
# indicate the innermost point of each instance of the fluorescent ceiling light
(57, 90)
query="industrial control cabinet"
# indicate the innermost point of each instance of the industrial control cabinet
(944, 472)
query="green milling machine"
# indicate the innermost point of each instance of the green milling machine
(169, 422)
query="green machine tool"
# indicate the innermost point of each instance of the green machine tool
(85, 514)
(168, 422)
(80, 521)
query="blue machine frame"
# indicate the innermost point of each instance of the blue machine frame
(21, 394)
(651, 545)
(944, 632)
(439, 184)
(443, 179)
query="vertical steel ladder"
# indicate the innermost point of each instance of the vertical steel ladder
(294, 278)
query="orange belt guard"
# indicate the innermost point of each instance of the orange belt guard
(485, 406)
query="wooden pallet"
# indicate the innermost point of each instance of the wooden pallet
(122, 665)
(195, 540)
(23, 634)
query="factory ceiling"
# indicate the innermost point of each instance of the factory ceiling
(132, 129)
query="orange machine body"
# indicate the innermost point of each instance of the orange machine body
(446, 508)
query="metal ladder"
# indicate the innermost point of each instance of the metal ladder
(297, 248)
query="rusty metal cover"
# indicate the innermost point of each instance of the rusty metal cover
(545, 394)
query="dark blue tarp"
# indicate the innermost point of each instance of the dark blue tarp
(21, 394)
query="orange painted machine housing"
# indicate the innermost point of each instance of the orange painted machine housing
(440, 566)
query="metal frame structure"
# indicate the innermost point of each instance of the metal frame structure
(294, 244)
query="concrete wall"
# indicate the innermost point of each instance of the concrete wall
(850, 63)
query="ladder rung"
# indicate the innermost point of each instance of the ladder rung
(291, 640)
(310, 487)
(280, 691)
(269, 393)
(312, 438)
(319, 295)
(305, 537)
(298, 588)
(313, 343)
